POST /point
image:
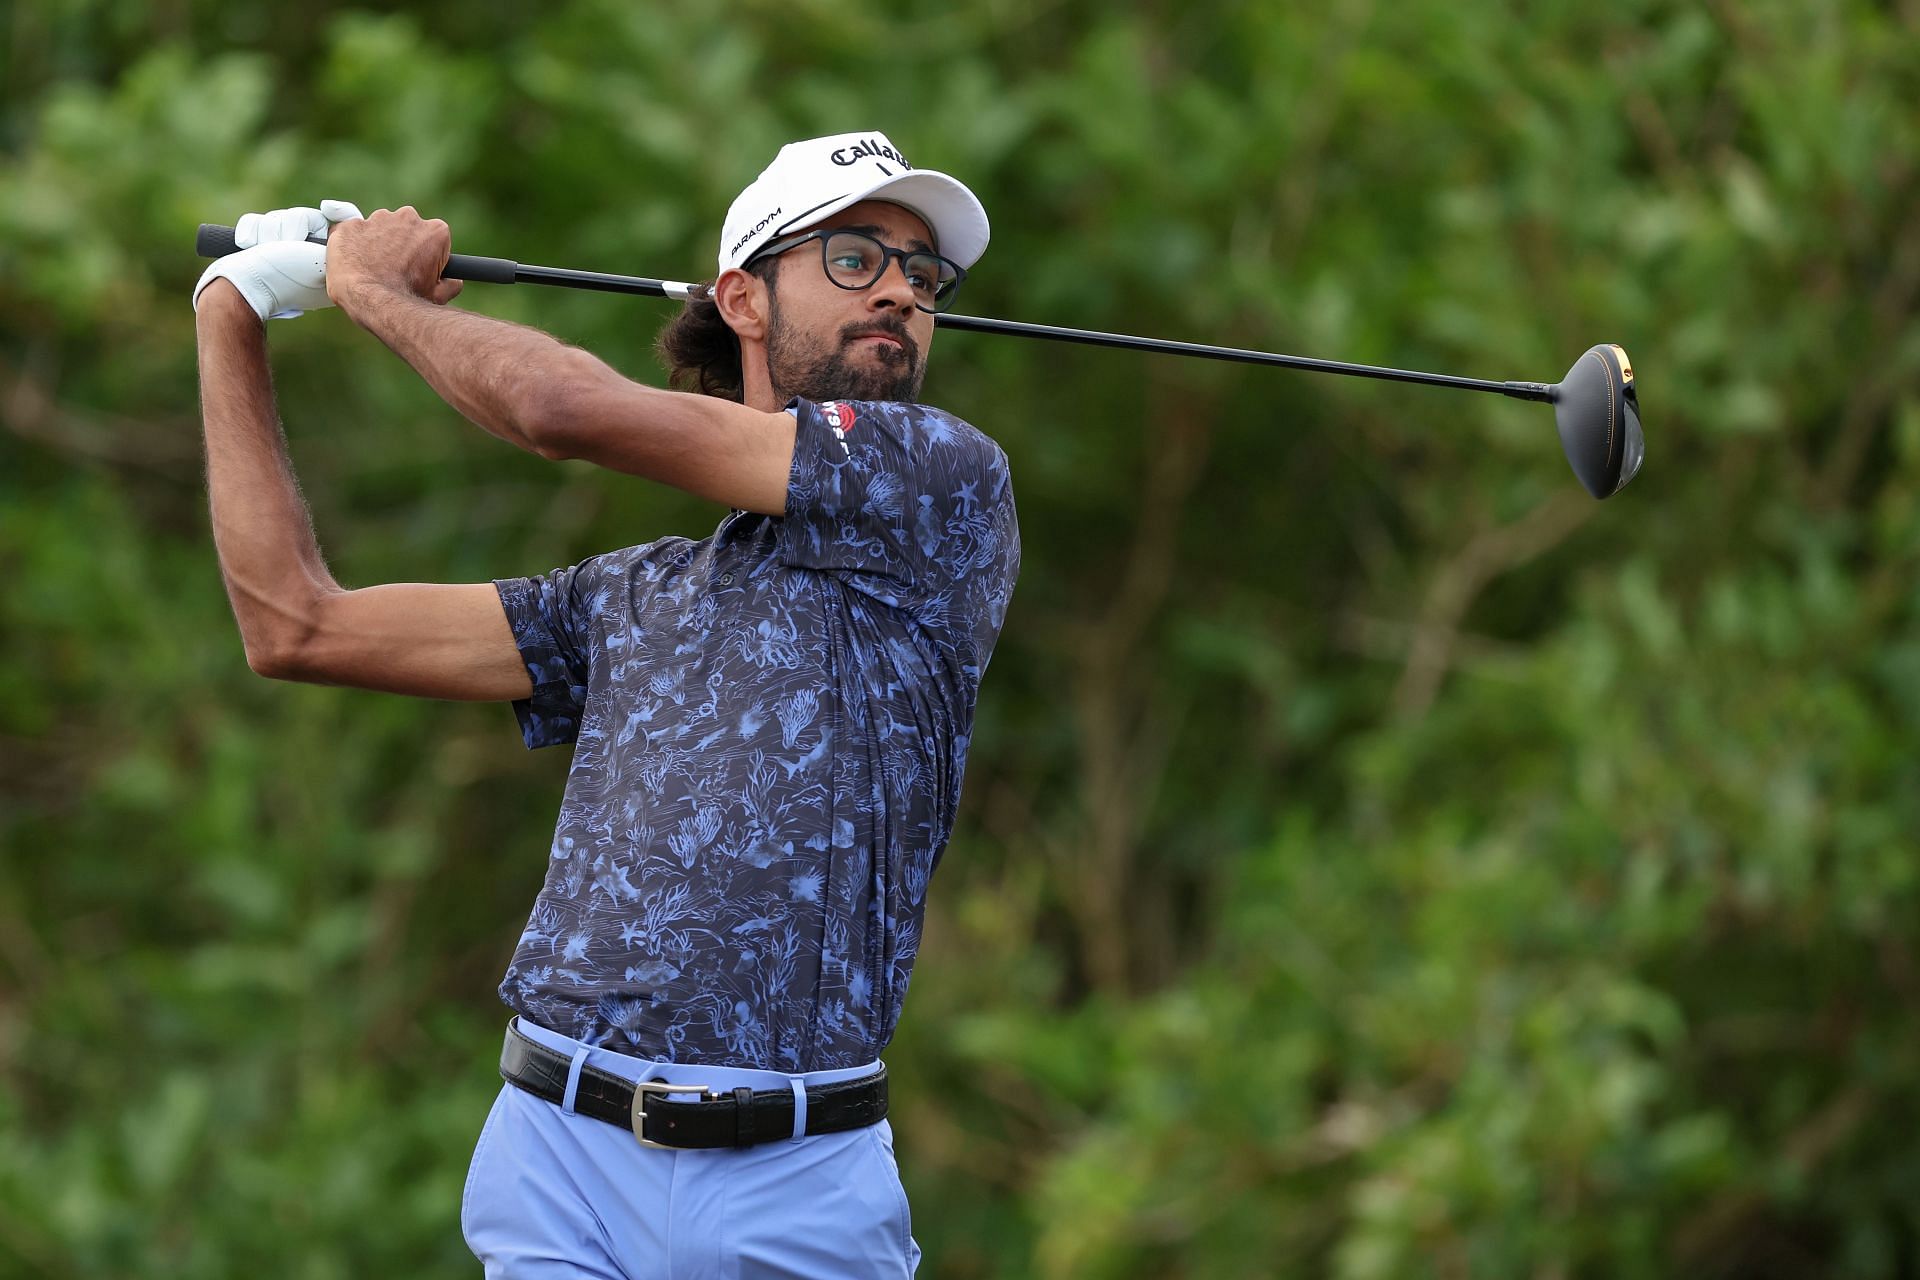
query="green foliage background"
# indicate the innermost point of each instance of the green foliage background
(1377, 858)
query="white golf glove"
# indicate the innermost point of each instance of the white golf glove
(276, 270)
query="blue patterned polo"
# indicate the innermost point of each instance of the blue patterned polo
(770, 727)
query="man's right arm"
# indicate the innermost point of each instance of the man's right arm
(297, 623)
(538, 393)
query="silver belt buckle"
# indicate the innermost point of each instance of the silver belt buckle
(641, 1088)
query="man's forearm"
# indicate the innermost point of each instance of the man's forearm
(501, 376)
(269, 556)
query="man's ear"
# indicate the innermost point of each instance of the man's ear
(742, 299)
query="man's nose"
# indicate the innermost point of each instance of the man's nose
(893, 289)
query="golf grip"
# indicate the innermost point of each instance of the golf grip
(216, 241)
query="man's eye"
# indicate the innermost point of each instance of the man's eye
(922, 281)
(848, 261)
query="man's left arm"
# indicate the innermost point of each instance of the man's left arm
(538, 393)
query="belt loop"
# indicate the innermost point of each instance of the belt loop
(799, 1088)
(573, 1078)
(743, 1134)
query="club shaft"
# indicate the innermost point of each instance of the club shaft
(1238, 355)
(605, 282)
(215, 241)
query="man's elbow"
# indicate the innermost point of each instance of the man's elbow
(543, 431)
(274, 661)
(553, 422)
(551, 445)
(283, 651)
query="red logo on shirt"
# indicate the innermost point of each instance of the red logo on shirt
(839, 416)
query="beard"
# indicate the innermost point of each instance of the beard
(822, 368)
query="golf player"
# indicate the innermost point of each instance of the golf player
(769, 725)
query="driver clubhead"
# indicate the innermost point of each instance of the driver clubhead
(1599, 419)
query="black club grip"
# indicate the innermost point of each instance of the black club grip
(216, 241)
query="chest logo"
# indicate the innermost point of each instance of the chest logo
(839, 416)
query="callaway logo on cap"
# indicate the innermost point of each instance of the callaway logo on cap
(812, 180)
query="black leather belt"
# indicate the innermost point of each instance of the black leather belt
(695, 1117)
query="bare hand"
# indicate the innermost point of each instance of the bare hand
(394, 251)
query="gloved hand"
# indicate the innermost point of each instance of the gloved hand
(276, 270)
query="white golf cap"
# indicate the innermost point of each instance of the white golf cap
(813, 180)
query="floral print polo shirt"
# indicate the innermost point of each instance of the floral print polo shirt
(770, 727)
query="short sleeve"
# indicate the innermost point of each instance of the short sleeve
(912, 506)
(551, 619)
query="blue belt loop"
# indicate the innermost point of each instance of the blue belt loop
(573, 1078)
(799, 1088)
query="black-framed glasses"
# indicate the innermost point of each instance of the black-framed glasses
(855, 260)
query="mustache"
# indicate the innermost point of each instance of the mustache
(896, 331)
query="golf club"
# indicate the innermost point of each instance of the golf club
(1594, 406)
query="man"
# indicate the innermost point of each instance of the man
(770, 724)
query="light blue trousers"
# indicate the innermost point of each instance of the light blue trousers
(555, 1194)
